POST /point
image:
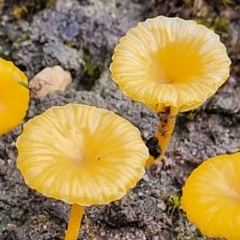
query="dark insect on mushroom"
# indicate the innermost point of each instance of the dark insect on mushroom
(153, 147)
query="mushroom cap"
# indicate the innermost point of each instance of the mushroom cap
(13, 96)
(211, 197)
(173, 62)
(81, 154)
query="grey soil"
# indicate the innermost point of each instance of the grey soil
(80, 36)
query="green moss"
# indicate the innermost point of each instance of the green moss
(91, 74)
(174, 202)
(219, 25)
(189, 2)
(23, 9)
(190, 116)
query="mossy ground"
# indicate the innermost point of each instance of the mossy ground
(151, 210)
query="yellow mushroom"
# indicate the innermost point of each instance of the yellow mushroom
(82, 155)
(171, 65)
(14, 96)
(211, 197)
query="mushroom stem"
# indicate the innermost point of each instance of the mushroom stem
(166, 125)
(74, 222)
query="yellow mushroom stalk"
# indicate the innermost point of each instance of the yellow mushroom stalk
(171, 65)
(14, 96)
(82, 155)
(166, 126)
(211, 197)
(74, 222)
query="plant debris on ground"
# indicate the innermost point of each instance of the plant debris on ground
(80, 36)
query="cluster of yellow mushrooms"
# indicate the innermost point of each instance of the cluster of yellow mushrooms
(169, 64)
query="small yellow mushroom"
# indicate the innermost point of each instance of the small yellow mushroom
(171, 65)
(14, 96)
(82, 155)
(211, 197)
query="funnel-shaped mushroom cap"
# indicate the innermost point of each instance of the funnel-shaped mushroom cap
(170, 62)
(81, 154)
(211, 197)
(13, 96)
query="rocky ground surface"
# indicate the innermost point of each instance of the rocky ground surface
(80, 36)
